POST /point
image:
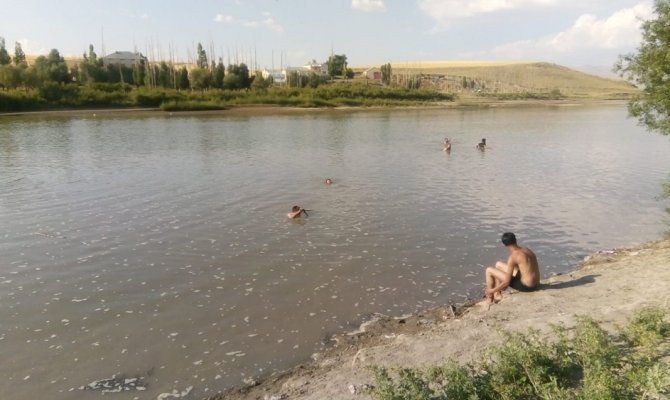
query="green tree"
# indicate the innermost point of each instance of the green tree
(337, 65)
(201, 58)
(165, 75)
(386, 74)
(259, 83)
(231, 81)
(314, 80)
(649, 70)
(296, 80)
(5, 59)
(218, 74)
(92, 68)
(19, 55)
(200, 78)
(182, 79)
(242, 73)
(51, 68)
(12, 76)
(139, 73)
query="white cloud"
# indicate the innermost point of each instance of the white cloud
(368, 5)
(445, 10)
(266, 22)
(620, 31)
(223, 18)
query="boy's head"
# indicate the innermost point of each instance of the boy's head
(508, 238)
(295, 208)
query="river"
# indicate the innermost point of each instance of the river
(159, 248)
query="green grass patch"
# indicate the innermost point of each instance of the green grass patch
(57, 96)
(586, 363)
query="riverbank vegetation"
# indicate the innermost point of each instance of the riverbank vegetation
(584, 363)
(49, 83)
(59, 96)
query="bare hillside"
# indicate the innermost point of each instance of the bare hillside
(511, 77)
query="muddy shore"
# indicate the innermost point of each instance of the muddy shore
(262, 110)
(610, 286)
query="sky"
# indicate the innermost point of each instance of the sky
(274, 33)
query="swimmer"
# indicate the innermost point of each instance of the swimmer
(482, 145)
(329, 181)
(296, 211)
(447, 145)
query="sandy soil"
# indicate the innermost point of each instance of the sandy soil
(262, 110)
(609, 286)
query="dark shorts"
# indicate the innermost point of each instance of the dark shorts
(518, 285)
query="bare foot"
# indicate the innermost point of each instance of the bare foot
(485, 303)
(497, 297)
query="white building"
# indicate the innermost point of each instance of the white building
(278, 76)
(124, 58)
(372, 73)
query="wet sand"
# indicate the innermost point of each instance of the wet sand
(260, 110)
(610, 286)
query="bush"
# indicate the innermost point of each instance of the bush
(586, 363)
(19, 101)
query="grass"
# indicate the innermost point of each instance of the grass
(584, 363)
(57, 96)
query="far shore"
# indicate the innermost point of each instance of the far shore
(260, 110)
(609, 286)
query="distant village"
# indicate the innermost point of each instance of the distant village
(279, 76)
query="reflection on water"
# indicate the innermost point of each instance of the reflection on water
(160, 247)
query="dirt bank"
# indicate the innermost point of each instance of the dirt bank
(261, 109)
(609, 286)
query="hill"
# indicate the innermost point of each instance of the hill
(492, 77)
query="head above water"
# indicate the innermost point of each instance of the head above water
(508, 238)
(295, 208)
(328, 181)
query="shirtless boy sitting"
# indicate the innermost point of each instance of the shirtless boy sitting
(521, 272)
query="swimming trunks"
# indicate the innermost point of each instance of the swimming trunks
(518, 285)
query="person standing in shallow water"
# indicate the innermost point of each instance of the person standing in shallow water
(447, 145)
(520, 272)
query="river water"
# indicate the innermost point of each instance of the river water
(159, 247)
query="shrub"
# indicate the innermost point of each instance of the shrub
(585, 363)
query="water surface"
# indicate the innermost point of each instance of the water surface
(159, 247)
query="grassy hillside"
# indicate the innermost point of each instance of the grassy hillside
(490, 78)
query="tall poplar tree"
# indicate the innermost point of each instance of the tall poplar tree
(19, 55)
(4, 56)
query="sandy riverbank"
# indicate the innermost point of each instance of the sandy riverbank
(609, 286)
(261, 110)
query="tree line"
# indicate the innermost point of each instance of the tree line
(92, 69)
(52, 68)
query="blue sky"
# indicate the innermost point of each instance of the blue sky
(268, 33)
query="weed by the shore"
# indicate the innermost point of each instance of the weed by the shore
(586, 362)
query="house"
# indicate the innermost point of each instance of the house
(278, 76)
(372, 73)
(124, 58)
(315, 67)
